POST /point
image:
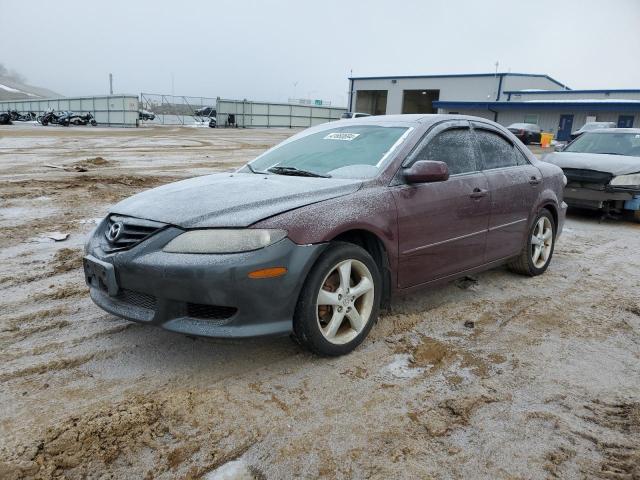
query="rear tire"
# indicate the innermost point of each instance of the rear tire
(339, 302)
(538, 250)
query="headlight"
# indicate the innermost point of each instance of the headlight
(223, 240)
(626, 180)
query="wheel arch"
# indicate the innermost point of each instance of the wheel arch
(553, 208)
(374, 245)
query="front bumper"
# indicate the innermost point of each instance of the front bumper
(201, 294)
(597, 199)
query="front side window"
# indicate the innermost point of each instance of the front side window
(496, 152)
(354, 151)
(453, 147)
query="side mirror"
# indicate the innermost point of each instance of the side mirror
(426, 171)
(559, 148)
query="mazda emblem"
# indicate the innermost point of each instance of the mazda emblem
(115, 231)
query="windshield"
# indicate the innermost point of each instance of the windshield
(354, 151)
(610, 143)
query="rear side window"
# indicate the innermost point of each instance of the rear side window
(453, 147)
(495, 151)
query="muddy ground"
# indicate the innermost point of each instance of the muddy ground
(507, 377)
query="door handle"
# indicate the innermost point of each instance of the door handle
(478, 193)
(534, 180)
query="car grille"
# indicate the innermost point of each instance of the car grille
(210, 312)
(587, 176)
(137, 299)
(133, 231)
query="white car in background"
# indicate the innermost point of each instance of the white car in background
(603, 170)
(347, 115)
(590, 126)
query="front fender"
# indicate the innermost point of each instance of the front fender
(372, 209)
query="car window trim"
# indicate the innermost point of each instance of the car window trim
(403, 184)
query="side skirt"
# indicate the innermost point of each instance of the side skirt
(449, 278)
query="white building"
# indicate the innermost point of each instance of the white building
(503, 97)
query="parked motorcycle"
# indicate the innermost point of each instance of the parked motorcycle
(22, 117)
(70, 118)
(5, 119)
(50, 117)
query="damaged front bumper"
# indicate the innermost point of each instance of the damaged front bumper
(602, 197)
(198, 294)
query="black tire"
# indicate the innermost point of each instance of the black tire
(524, 263)
(94, 123)
(45, 122)
(306, 323)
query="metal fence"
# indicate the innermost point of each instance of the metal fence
(246, 114)
(109, 110)
(177, 109)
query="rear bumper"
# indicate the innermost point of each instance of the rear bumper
(204, 295)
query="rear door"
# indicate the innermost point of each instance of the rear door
(514, 185)
(442, 226)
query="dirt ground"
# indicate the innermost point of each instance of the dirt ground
(504, 377)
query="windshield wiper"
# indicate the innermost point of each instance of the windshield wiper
(611, 153)
(296, 172)
(253, 170)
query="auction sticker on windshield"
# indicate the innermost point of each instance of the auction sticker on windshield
(341, 136)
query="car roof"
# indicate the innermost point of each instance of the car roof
(616, 130)
(414, 119)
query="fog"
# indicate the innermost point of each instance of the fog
(280, 49)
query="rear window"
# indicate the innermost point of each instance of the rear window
(595, 126)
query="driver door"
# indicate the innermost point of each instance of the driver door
(442, 226)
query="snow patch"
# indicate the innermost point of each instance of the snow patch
(234, 470)
(400, 367)
(9, 89)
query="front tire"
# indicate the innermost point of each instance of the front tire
(538, 250)
(339, 302)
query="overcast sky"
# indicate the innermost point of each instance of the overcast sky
(274, 50)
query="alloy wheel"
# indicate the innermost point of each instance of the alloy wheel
(345, 301)
(541, 242)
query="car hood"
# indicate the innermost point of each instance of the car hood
(231, 200)
(613, 164)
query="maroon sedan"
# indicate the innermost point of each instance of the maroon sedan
(314, 235)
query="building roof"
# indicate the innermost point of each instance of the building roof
(458, 75)
(578, 104)
(555, 92)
